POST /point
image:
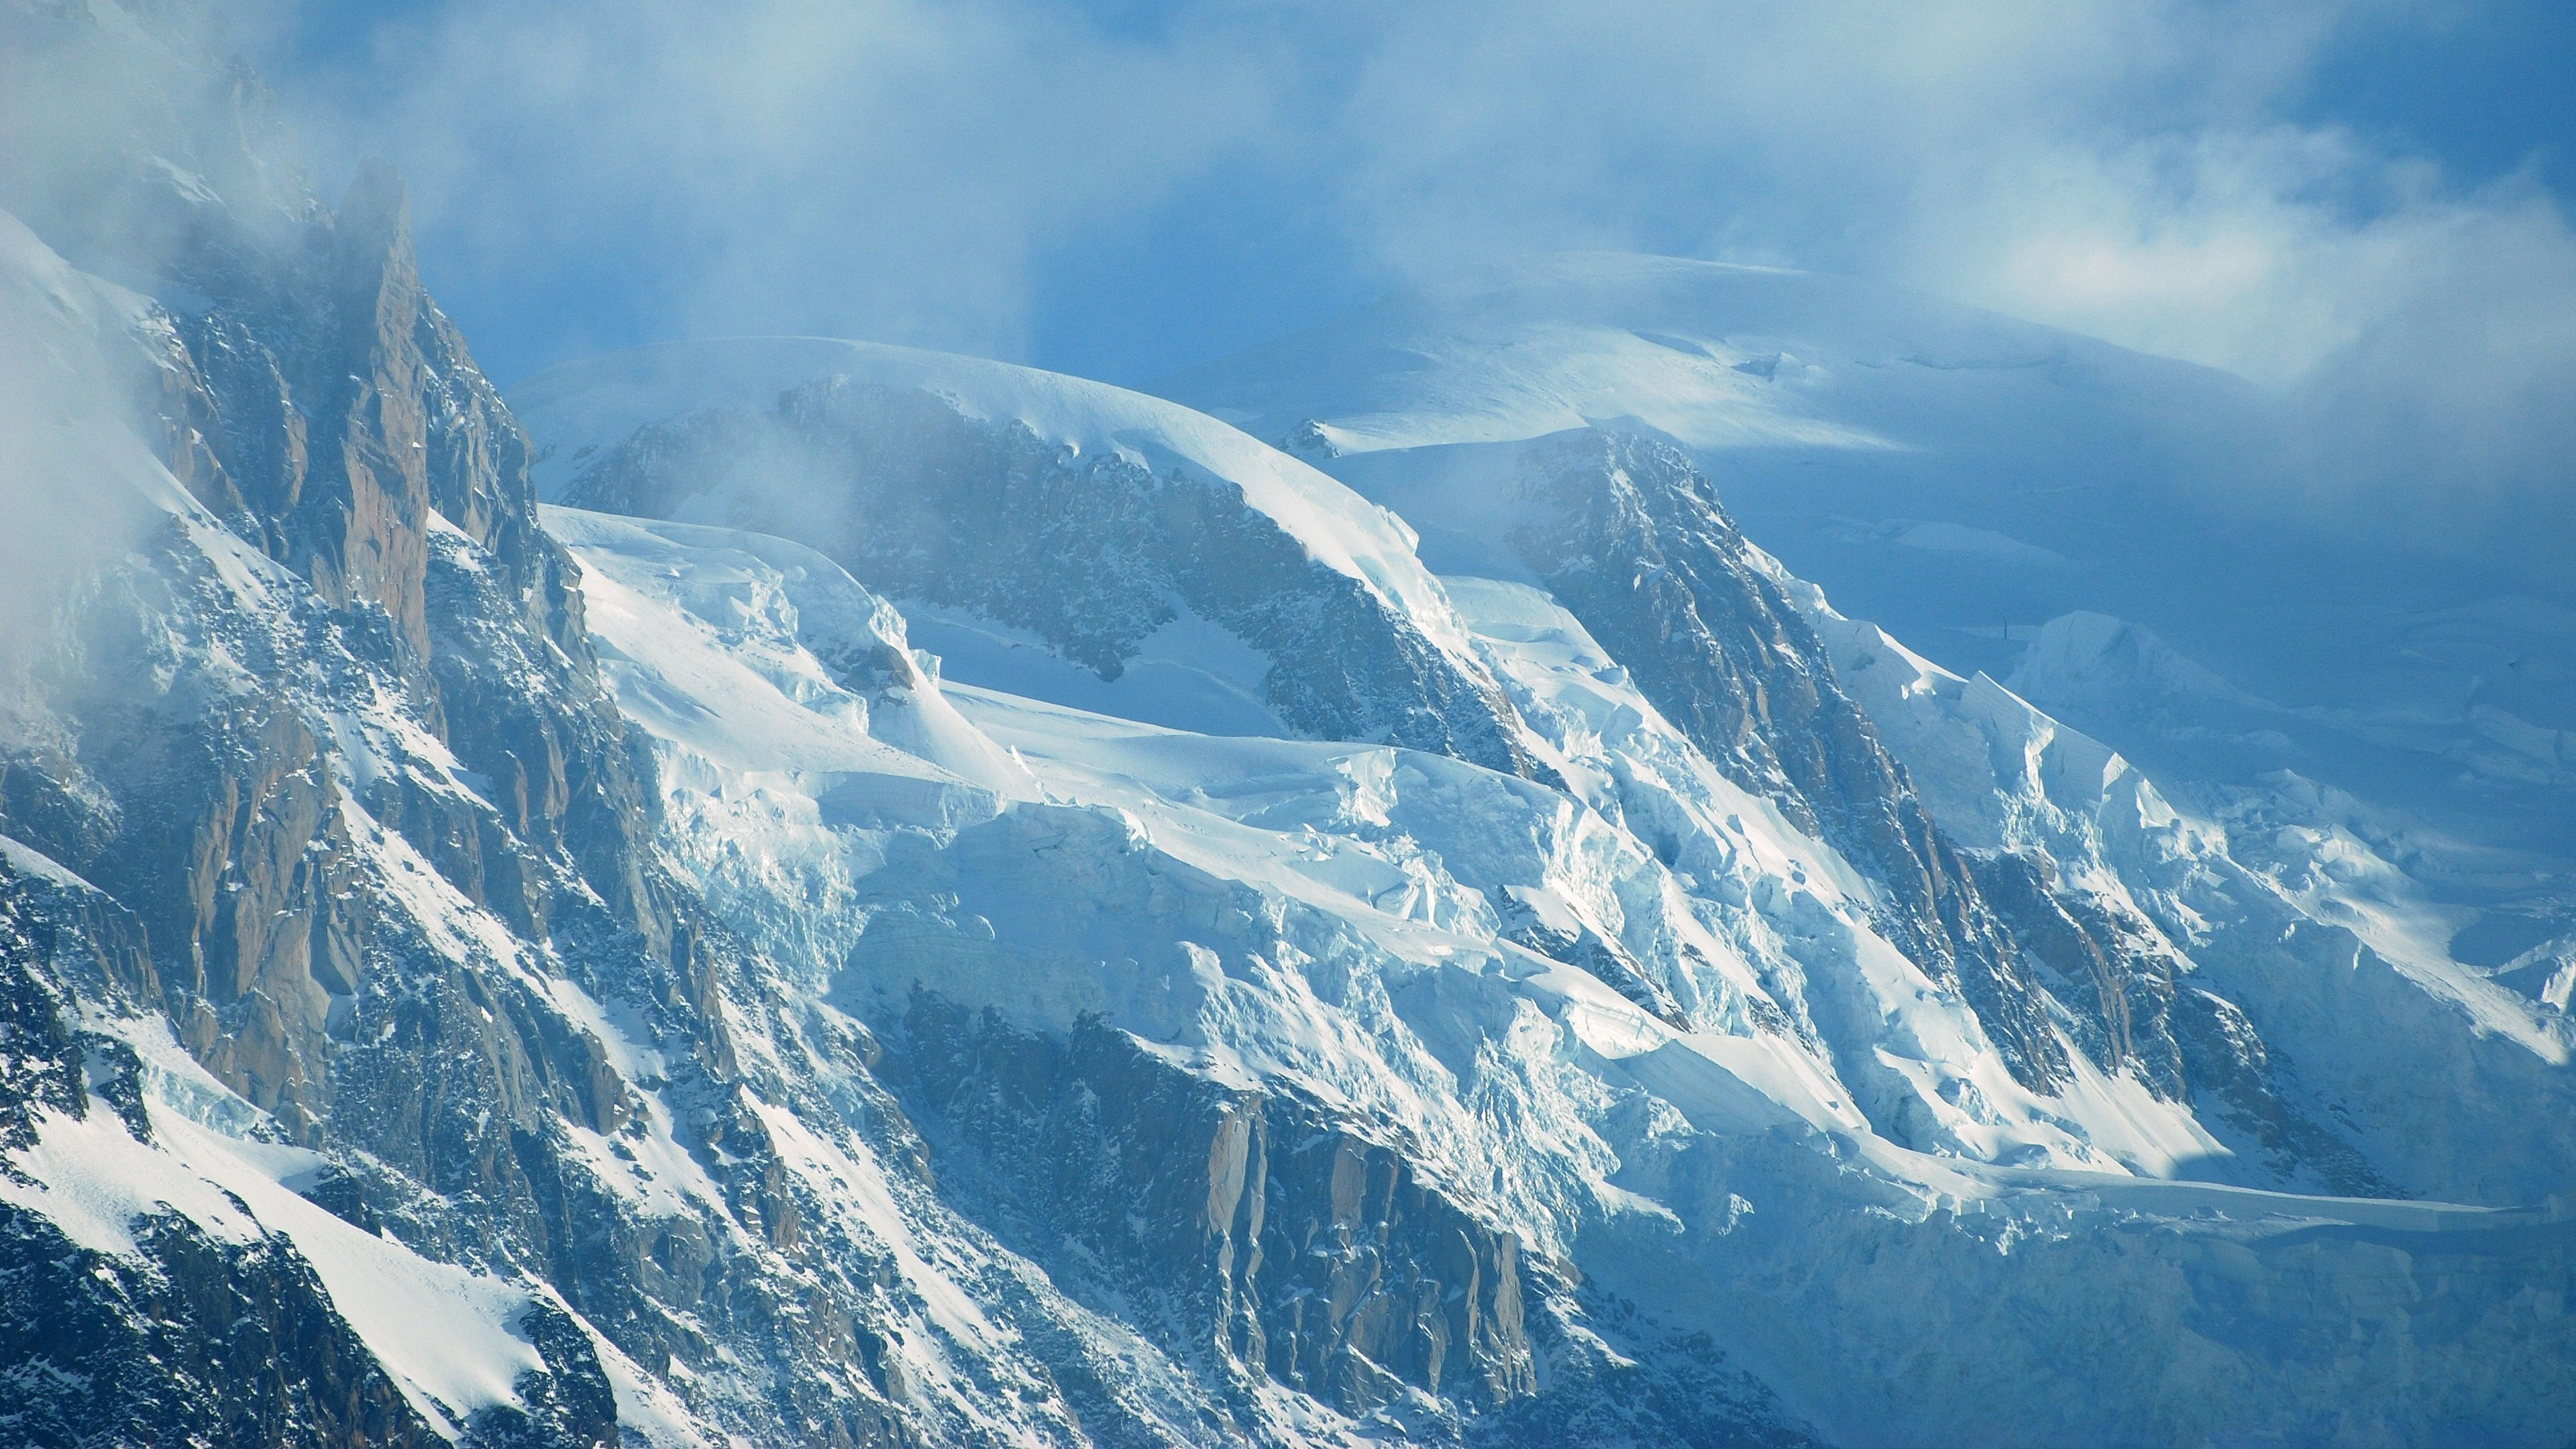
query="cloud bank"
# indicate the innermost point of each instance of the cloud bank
(887, 168)
(2136, 169)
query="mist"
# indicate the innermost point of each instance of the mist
(76, 483)
(1037, 183)
(588, 177)
(1118, 191)
(102, 185)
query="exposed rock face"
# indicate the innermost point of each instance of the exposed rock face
(1091, 553)
(2133, 1009)
(300, 744)
(40, 1057)
(2240, 1078)
(1634, 541)
(1635, 544)
(202, 1342)
(2120, 984)
(194, 1339)
(321, 406)
(1281, 1242)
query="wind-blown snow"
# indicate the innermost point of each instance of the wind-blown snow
(1714, 355)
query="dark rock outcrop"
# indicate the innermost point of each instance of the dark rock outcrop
(2241, 1079)
(197, 1342)
(2128, 1003)
(1272, 1237)
(2111, 974)
(40, 1053)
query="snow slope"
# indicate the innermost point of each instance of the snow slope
(1044, 533)
(446, 1333)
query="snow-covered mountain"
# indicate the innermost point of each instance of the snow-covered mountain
(2384, 728)
(1960, 476)
(919, 901)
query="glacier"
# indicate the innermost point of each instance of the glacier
(1423, 886)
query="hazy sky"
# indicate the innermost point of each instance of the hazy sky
(2364, 205)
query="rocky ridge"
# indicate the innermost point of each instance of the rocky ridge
(1093, 550)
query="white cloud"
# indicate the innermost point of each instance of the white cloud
(895, 169)
(888, 167)
(2123, 169)
(2117, 168)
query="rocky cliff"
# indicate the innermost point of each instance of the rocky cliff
(325, 793)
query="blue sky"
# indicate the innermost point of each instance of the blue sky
(1116, 190)
(2487, 88)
